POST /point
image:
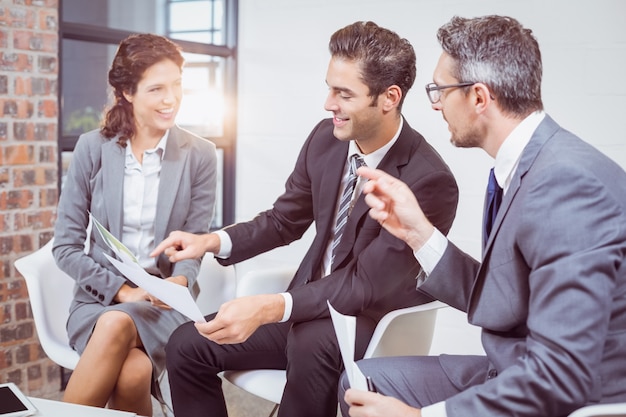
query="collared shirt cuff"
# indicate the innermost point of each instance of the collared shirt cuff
(226, 245)
(288, 306)
(435, 410)
(431, 253)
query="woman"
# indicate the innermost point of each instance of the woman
(141, 176)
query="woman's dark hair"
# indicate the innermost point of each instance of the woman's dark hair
(384, 58)
(134, 56)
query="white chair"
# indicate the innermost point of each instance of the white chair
(601, 410)
(50, 291)
(407, 331)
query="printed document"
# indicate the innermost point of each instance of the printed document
(174, 295)
(345, 329)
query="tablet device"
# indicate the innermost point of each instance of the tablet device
(13, 403)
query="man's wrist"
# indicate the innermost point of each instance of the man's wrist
(417, 238)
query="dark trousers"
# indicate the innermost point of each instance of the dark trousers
(307, 350)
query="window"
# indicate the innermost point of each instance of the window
(205, 30)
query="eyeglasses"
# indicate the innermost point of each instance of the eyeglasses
(434, 91)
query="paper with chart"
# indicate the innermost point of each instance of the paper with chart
(345, 329)
(174, 295)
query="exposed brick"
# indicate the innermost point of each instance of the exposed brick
(15, 377)
(19, 17)
(47, 64)
(20, 109)
(47, 108)
(28, 178)
(16, 199)
(48, 154)
(40, 175)
(22, 311)
(16, 62)
(34, 377)
(4, 180)
(42, 219)
(6, 358)
(34, 372)
(5, 317)
(35, 41)
(25, 331)
(4, 84)
(41, 86)
(3, 33)
(46, 132)
(48, 20)
(19, 155)
(45, 237)
(8, 334)
(22, 354)
(5, 269)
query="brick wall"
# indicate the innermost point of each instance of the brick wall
(28, 178)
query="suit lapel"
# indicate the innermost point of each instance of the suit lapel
(113, 162)
(544, 131)
(174, 160)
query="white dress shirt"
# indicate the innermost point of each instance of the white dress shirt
(506, 162)
(141, 192)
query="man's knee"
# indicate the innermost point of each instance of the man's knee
(180, 342)
(313, 340)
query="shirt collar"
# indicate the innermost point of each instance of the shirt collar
(373, 159)
(510, 151)
(159, 149)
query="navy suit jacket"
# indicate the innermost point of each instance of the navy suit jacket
(550, 293)
(373, 272)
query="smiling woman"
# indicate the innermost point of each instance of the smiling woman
(142, 177)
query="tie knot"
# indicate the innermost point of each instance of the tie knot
(356, 162)
(493, 185)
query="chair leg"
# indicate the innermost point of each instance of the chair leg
(274, 410)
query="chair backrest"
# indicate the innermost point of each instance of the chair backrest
(50, 291)
(265, 281)
(405, 332)
(217, 284)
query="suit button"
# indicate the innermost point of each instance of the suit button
(492, 374)
(101, 297)
(88, 288)
(94, 292)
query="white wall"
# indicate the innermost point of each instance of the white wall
(282, 65)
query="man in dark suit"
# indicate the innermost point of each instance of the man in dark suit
(550, 292)
(369, 272)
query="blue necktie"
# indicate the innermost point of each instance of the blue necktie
(345, 204)
(492, 204)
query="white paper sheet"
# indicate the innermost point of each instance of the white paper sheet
(345, 329)
(174, 295)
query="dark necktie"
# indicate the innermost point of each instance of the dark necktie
(492, 204)
(345, 204)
